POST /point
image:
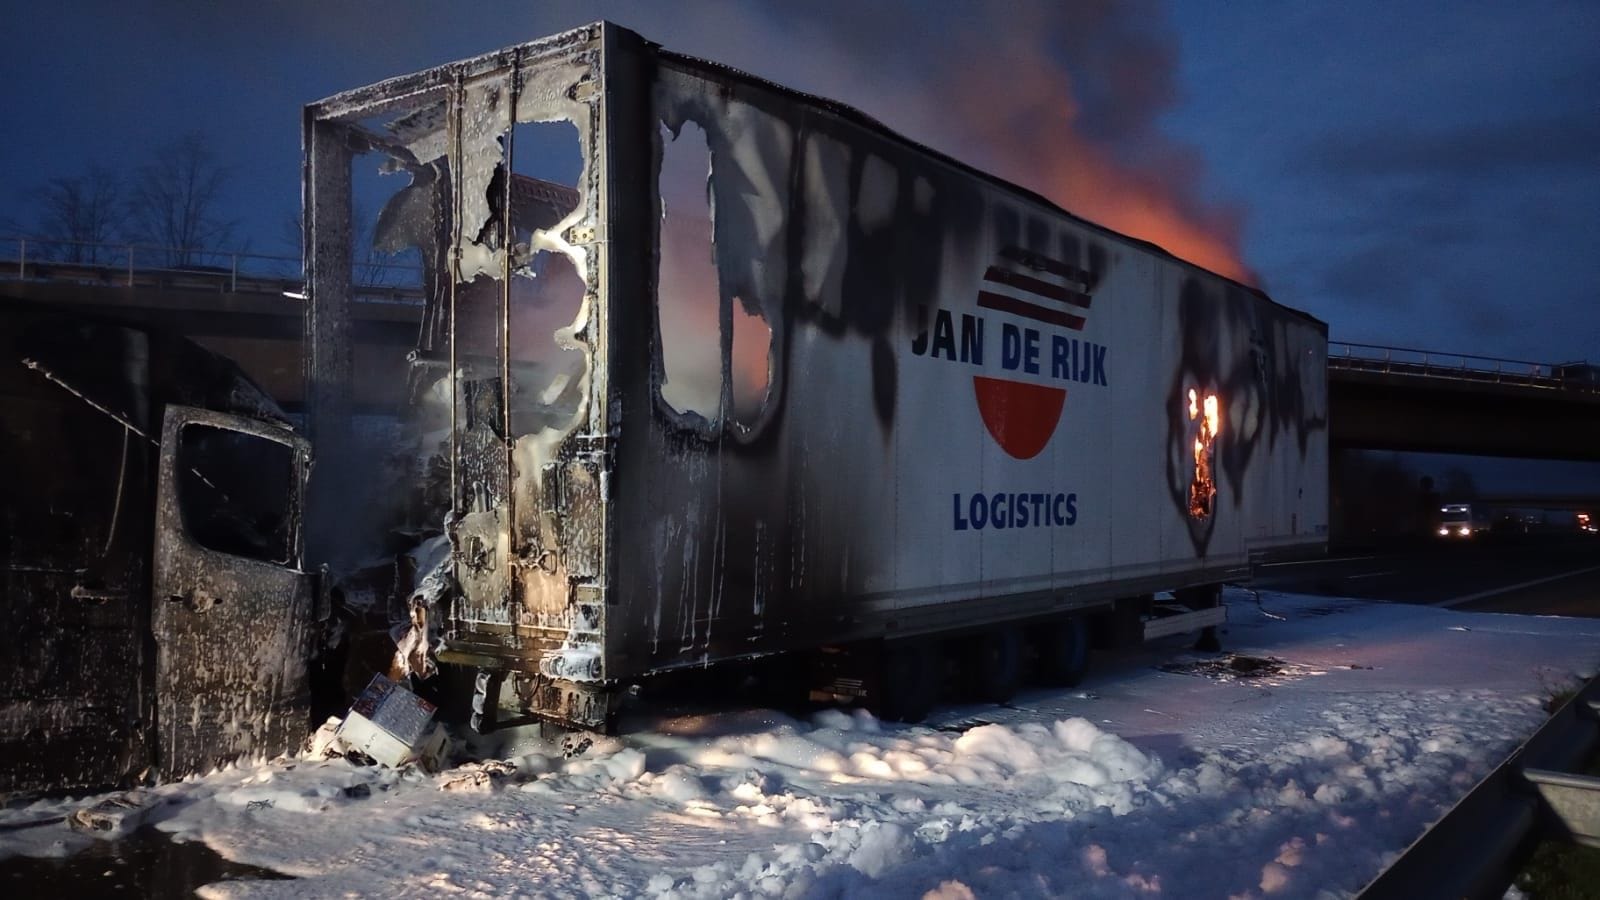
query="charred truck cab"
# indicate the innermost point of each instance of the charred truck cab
(157, 618)
(710, 369)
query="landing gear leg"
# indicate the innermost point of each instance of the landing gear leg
(1207, 596)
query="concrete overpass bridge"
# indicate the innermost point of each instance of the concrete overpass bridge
(1387, 398)
(249, 308)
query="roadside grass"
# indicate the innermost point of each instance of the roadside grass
(1558, 870)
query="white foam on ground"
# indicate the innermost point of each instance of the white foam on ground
(1147, 782)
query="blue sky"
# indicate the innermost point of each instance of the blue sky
(1415, 177)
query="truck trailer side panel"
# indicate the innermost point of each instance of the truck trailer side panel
(973, 407)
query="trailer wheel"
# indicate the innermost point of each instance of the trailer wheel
(910, 682)
(1063, 651)
(997, 670)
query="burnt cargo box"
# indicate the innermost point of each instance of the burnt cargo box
(710, 368)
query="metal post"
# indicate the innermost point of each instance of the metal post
(233, 278)
(130, 265)
(22, 258)
(454, 124)
(325, 249)
(508, 161)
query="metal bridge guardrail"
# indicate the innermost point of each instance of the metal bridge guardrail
(102, 264)
(1461, 366)
(144, 265)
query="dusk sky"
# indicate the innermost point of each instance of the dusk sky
(1415, 173)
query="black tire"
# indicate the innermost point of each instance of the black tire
(784, 680)
(909, 684)
(1063, 651)
(997, 664)
(486, 700)
(451, 691)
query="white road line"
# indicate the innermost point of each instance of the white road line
(1313, 562)
(1457, 601)
(1369, 575)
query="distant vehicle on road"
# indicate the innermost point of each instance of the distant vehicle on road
(1461, 520)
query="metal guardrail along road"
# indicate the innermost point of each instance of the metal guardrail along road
(1481, 843)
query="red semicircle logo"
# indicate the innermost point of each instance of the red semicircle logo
(1021, 417)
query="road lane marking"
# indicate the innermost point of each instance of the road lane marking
(1314, 562)
(1369, 575)
(1457, 601)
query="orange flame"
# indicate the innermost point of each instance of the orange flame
(1203, 487)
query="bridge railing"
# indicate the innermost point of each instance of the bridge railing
(378, 280)
(1461, 366)
(26, 258)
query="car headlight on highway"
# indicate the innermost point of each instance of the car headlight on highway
(1444, 532)
(1464, 531)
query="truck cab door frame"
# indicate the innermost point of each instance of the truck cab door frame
(233, 614)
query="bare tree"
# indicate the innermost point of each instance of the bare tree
(176, 200)
(82, 213)
(293, 236)
(1459, 485)
(368, 264)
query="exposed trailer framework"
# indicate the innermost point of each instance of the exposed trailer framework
(711, 368)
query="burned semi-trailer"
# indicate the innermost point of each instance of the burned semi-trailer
(156, 616)
(711, 369)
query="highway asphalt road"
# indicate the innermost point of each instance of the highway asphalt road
(1536, 574)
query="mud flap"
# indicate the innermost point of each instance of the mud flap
(232, 613)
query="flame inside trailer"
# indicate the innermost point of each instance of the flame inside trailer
(1203, 487)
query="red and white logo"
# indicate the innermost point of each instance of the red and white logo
(1022, 416)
